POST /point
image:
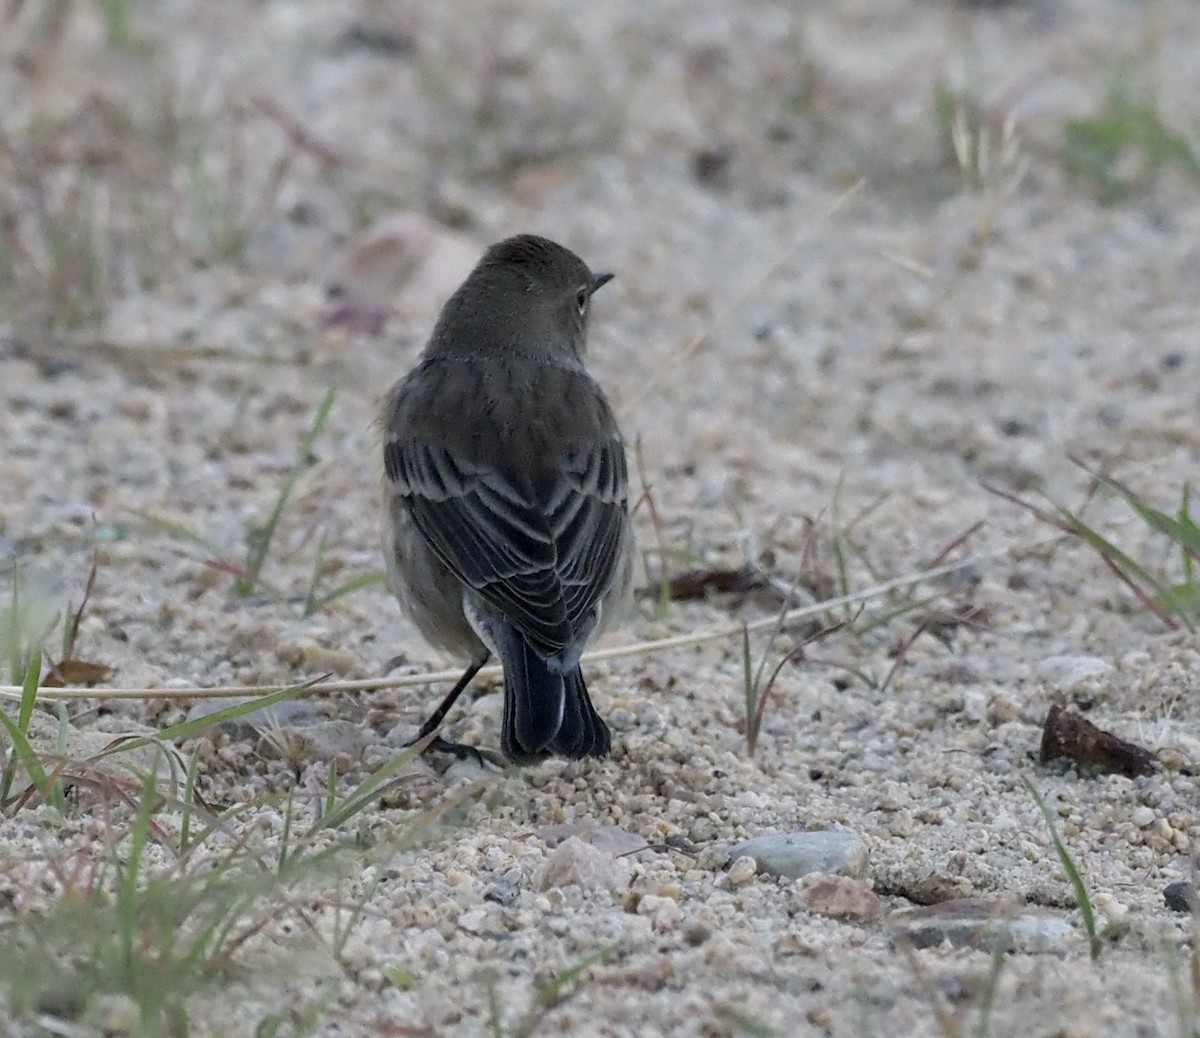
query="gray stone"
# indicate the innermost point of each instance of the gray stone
(1182, 897)
(610, 838)
(986, 925)
(579, 864)
(503, 893)
(1068, 672)
(837, 852)
(840, 897)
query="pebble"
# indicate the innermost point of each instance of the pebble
(742, 871)
(503, 893)
(840, 897)
(1068, 672)
(1143, 817)
(579, 864)
(1002, 709)
(792, 855)
(1182, 897)
(663, 911)
(1108, 907)
(986, 925)
(610, 838)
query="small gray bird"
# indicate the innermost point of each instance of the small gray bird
(506, 511)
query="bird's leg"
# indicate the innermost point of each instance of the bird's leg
(439, 715)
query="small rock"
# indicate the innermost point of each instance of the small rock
(609, 838)
(503, 893)
(1182, 897)
(713, 857)
(1108, 907)
(986, 925)
(742, 871)
(474, 920)
(322, 658)
(1143, 817)
(579, 864)
(1068, 672)
(664, 912)
(1002, 709)
(1068, 734)
(840, 897)
(792, 855)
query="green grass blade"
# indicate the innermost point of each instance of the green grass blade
(553, 991)
(748, 685)
(365, 793)
(1069, 867)
(18, 730)
(184, 533)
(187, 729)
(1127, 568)
(310, 597)
(29, 690)
(22, 751)
(257, 557)
(1183, 532)
(314, 604)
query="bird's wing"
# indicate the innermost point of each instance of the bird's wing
(541, 556)
(586, 507)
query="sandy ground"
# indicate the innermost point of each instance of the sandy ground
(277, 198)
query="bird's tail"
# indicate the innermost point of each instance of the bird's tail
(547, 708)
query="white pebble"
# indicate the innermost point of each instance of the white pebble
(742, 871)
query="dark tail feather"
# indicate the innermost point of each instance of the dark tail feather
(583, 733)
(545, 710)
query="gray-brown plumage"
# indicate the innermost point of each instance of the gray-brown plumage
(506, 527)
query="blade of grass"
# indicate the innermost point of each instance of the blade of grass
(1183, 533)
(17, 730)
(553, 992)
(261, 547)
(1071, 869)
(187, 729)
(741, 1023)
(184, 533)
(494, 1024)
(189, 802)
(1164, 603)
(71, 627)
(748, 683)
(314, 604)
(127, 886)
(367, 791)
(315, 577)
(1122, 566)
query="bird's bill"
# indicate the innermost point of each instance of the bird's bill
(599, 280)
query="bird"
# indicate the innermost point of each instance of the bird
(506, 521)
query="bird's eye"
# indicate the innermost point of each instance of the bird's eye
(581, 300)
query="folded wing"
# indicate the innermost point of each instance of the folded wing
(542, 554)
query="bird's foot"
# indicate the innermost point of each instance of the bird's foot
(460, 751)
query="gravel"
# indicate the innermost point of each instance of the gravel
(818, 386)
